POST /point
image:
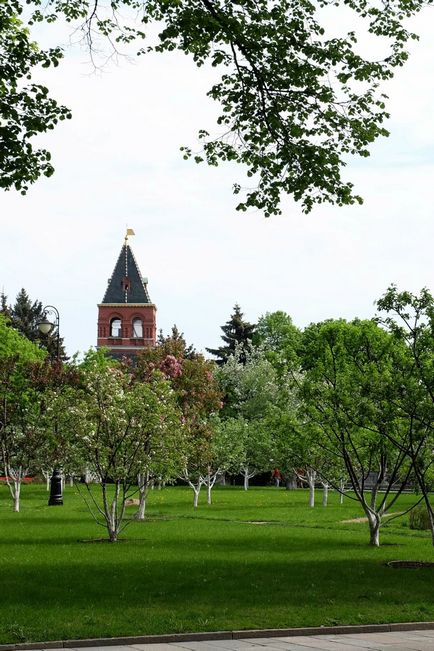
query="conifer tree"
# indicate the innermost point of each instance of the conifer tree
(236, 332)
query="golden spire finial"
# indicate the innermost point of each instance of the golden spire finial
(128, 233)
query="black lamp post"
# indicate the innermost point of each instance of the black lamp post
(46, 326)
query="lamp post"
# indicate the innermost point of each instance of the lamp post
(46, 326)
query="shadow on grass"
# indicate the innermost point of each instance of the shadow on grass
(105, 586)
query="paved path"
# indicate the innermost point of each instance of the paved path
(396, 641)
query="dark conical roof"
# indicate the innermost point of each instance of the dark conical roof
(126, 284)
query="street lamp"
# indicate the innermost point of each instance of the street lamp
(46, 326)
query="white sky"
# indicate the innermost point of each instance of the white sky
(118, 162)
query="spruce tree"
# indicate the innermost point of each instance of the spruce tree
(236, 332)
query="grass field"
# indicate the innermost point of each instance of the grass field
(253, 559)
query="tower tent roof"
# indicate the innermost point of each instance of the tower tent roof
(126, 284)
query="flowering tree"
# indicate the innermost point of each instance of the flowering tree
(198, 397)
(122, 429)
(252, 389)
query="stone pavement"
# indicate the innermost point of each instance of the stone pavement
(417, 640)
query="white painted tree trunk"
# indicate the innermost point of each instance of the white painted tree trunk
(342, 491)
(194, 486)
(247, 475)
(143, 483)
(71, 480)
(311, 479)
(374, 529)
(325, 494)
(113, 512)
(210, 481)
(14, 478)
(16, 496)
(196, 492)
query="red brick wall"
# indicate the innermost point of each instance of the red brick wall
(126, 313)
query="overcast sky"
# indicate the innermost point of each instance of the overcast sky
(118, 163)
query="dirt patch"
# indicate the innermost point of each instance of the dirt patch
(356, 520)
(412, 565)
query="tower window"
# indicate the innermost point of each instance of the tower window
(137, 328)
(126, 284)
(116, 328)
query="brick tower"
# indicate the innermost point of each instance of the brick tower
(126, 316)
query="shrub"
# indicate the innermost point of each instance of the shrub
(419, 518)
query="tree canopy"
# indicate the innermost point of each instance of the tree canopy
(26, 109)
(296, 99)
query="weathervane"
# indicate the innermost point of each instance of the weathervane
(128, 233)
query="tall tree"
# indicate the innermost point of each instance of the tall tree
(236, 333)
(349, 392)
(296, 97)
(410, 320)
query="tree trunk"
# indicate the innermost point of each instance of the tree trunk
(325, 494)
(311, 495)
(196, 492)
(291, 482)
(143, 482)
(112, 512)
(342, 489)
(16, 496)
(311, 479)
(208, 493)
(246, 478)
(374, 529)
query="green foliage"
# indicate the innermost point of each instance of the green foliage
(419, 518)
(296, 101)
(351, 397)
(26, 109)
(281, 339)
(25, 316)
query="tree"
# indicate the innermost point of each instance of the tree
(20, 434)
(26, 109)
(121, 428)
(410, 320)
(349, 390)
(237, 332)
(280, 339)
(25, 316)
(252, 391)
(198, 396)
(295, 100)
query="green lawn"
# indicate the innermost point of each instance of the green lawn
(210, 570)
